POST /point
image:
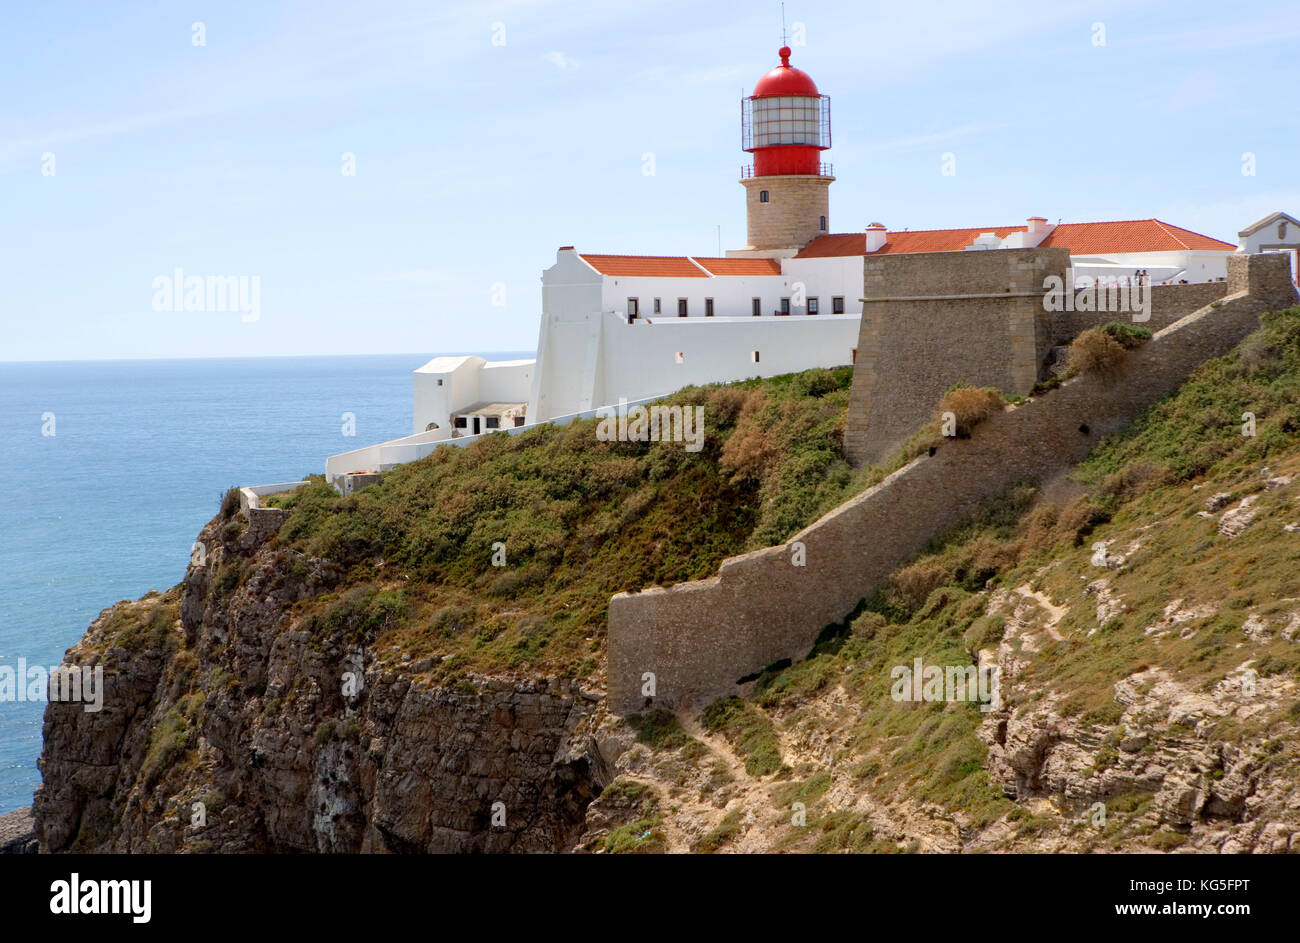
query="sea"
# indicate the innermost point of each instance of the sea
(112, 467)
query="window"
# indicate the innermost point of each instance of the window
(657, 309)
(762, 196)
(785, 305)
(679, 357)
(440, 381)
(461, 422)
(788, 119)
(758, 307)
(708, 307)
(814, 306)
(493, 422)
(632, 307)
(753, 355)
(519, 420)
(681, 307)
(822, 227)
(837, 304)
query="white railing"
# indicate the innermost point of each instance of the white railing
(387, 455)
(250, 495)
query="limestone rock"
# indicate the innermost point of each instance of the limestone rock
(1234, 521)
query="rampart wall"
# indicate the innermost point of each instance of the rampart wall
(697, 639)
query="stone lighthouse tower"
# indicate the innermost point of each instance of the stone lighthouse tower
(786, 124)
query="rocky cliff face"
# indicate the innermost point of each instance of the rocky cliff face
(228, 726)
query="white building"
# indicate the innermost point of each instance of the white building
(1276, 233)
(630, 326)
(469, 395)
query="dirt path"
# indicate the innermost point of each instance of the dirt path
(1054, 613)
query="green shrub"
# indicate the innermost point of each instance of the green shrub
(748, 730)
(659, 728)
(724, 832)
(1128, 336)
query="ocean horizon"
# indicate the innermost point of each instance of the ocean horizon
(117, 465)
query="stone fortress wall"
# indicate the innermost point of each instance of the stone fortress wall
(1168, 304)
(697, 639)
(932, 320)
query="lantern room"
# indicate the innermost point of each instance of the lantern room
(786, 123)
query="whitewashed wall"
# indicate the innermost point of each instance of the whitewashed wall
(640, 359)
(434, 402)
(506, 381)
(1194, 265)
(826, 278)
(732, 294)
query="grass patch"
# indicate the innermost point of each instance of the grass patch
(724, 832)
(749, 731)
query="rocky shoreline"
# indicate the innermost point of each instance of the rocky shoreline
(18, 832)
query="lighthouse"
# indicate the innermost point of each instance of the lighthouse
(785, 124)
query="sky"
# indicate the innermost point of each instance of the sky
(396, 175)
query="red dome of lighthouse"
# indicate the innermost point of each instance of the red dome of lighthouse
(785, 79)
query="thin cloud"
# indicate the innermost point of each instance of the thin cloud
(124, 125)
(561, 61)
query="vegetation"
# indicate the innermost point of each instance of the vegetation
(581, 519)
(725, 831)
(172, 737)
(970, 406)
(1101, 350)
(750, 732)
(659, 728)
(1143, 491)
(642, 837)
(573, 519)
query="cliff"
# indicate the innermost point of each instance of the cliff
(417, 667)
(1142, 613)
(219, 699)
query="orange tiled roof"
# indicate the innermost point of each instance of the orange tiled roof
(919, 240)
(1129, 235)
(739, 266)
(653, 266)
(1132, 235)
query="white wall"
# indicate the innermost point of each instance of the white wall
(589, 356)
(1266, 239)
(506, 381)
(571, 299)
(826, 278)
(1192, 265)
(639, 359)
(732, 294)
(434, 402)
(386, 455)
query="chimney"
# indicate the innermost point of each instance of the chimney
(875, 236)
(1036, 230)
